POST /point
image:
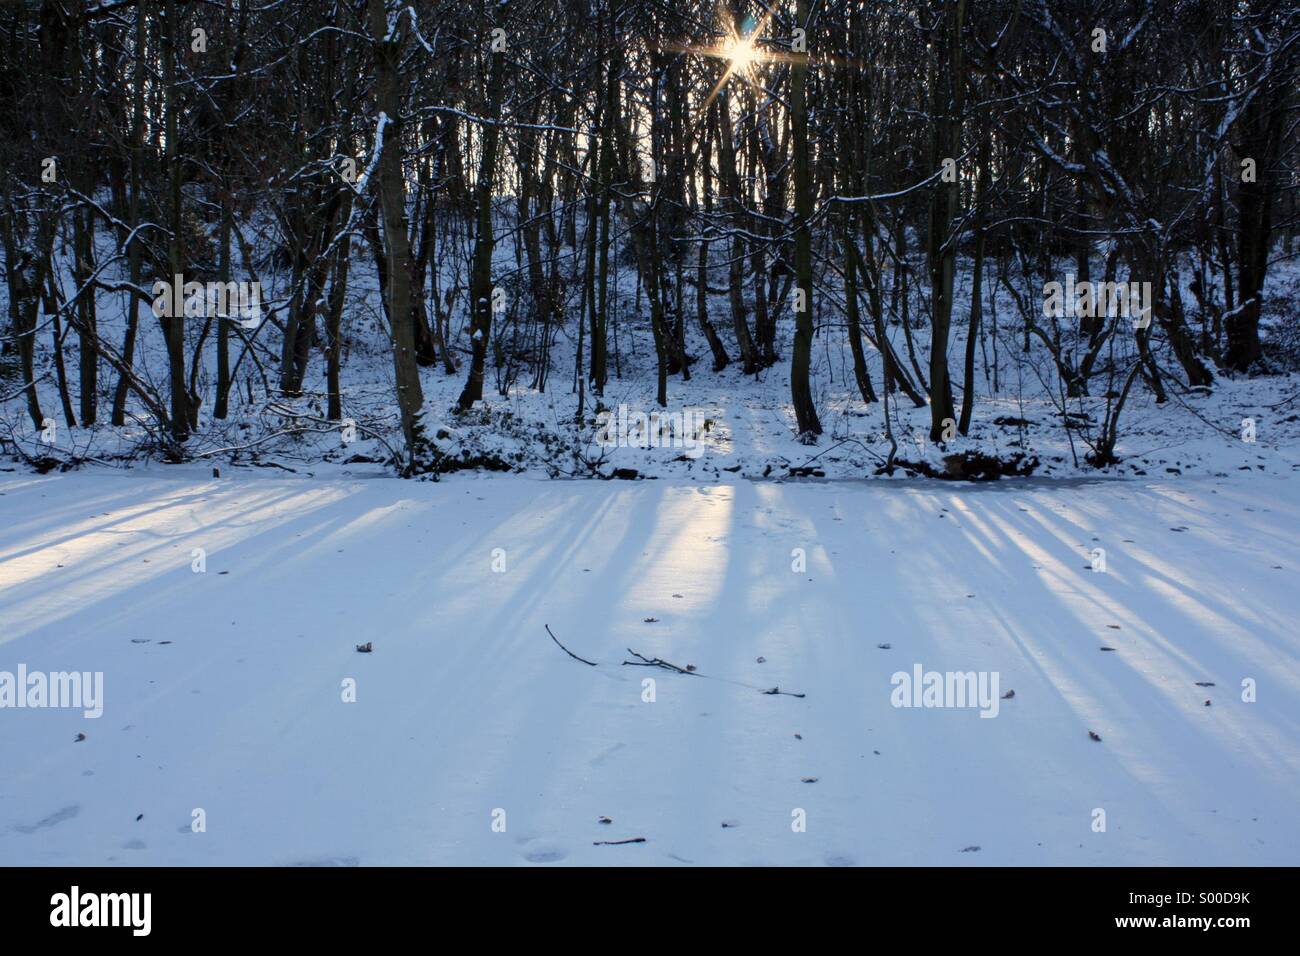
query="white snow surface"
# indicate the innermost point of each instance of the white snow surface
(223, 689)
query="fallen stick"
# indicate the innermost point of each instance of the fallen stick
(617, 842)
(643, 661)
(566, 650)
(657, 662)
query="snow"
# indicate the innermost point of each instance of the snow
(466, 707)
(753, 431)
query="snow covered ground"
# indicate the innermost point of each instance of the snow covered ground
(749, 425)
(474, 739)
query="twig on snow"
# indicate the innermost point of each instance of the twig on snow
(566, 650)
(643, 661)
(657, 662)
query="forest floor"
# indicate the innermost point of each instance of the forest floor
(727, 424)
(475, 739)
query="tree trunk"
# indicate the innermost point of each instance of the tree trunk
(174, 326)
(949, 83)
(480, 287)
(801, 354)
(392, 198)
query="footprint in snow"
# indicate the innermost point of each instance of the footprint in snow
(546, 854)
(54, 819)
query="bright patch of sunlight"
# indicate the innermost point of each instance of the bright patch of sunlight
(741, 53)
